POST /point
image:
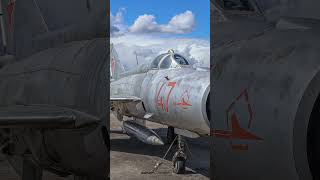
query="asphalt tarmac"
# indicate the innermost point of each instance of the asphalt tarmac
(129, 157)
(8, 173)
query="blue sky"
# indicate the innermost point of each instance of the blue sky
(164, 10)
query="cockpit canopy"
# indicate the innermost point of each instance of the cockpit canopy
(169, 60)
(272, 10)
(235, 6)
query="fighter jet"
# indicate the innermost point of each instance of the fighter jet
(265, 89)
(53, 88)
(167, 90)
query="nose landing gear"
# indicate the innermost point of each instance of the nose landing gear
(179, 158)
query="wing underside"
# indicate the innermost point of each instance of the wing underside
(121, 101)
(125, 99)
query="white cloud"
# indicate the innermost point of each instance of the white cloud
(179, 24)
(182, 23)
(141, 39)
(144, 24)
(117, 25)
(148, 47)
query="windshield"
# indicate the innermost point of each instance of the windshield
(235, 5)
(180, 60)
(275, 9)
(156, 61)
(166, 63)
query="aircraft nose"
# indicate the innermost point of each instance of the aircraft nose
(154, 140)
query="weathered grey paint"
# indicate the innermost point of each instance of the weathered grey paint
(58, 58)
(278, 66)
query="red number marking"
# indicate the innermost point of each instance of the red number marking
(160, 101)
(172, 84)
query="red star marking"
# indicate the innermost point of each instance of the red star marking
(236, 132)
(184, 103)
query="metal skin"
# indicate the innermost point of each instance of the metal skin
(54, 93)
(265, 98)
(142, 133)
(175, 96)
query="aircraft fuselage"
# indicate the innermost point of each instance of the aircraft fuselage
(175, 97)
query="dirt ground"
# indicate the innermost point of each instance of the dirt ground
(130, 157)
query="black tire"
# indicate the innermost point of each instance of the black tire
(179, 166)
(170, 135)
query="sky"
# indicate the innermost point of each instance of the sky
(151, 27)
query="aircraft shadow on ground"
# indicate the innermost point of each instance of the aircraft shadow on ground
(134, 146)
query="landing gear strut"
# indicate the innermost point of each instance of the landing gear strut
(31, 171)
(170, 135)
(179, 158)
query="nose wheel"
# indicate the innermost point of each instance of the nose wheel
(179, 158)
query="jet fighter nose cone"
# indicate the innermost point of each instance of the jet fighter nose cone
(154, 140)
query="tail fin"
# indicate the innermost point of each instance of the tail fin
(116, 67)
